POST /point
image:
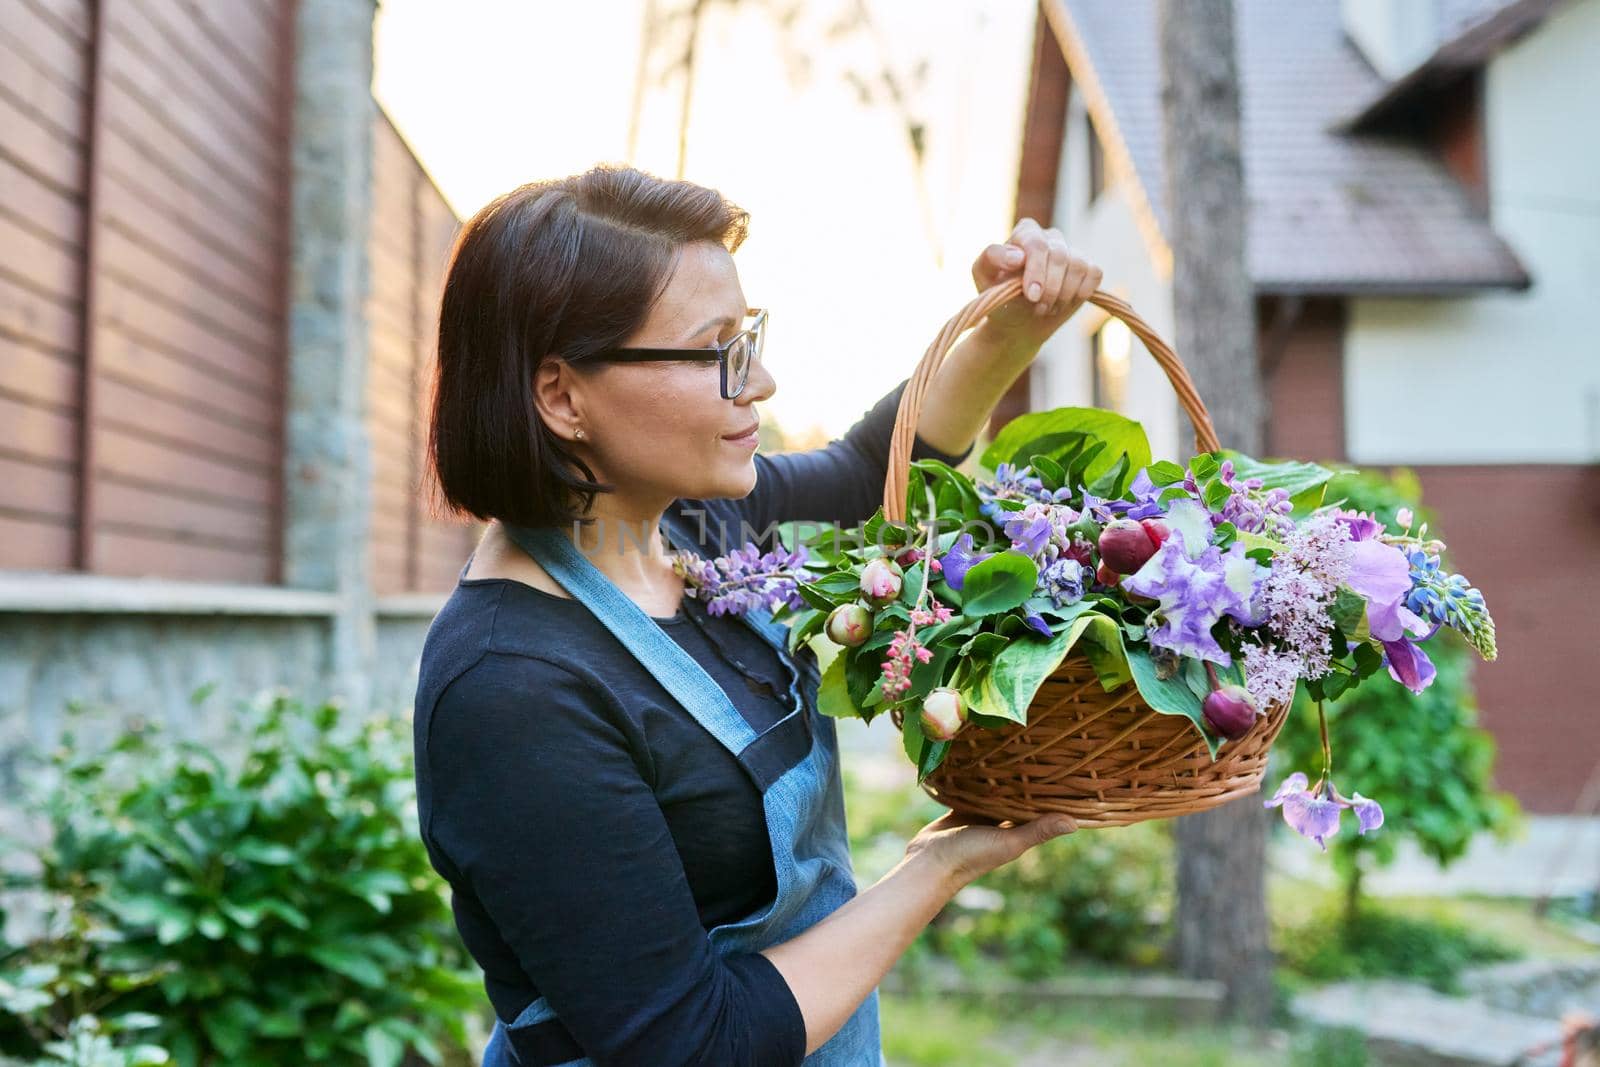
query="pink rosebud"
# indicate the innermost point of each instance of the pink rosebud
(1230, 711)
(944, 712)
(1125, 546)
(880, 581)
(1156, 530)
(849, 625)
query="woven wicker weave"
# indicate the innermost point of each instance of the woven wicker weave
(1105, 758)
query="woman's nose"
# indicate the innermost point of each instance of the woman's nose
(760, 385)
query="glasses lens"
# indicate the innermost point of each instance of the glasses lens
(739, 363)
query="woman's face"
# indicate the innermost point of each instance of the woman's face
(662, 430)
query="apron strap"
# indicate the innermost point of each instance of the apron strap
(674, 668)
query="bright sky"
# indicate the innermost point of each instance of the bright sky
(495, 93)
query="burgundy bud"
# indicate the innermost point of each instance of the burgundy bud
(1230, 711)
(1124, 546)
(1156, 530)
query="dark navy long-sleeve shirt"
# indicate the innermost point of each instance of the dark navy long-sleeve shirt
(590, 829)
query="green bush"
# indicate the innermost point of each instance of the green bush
(1421, 755)
(1378, 943)
(1091, 896)
(280, 910)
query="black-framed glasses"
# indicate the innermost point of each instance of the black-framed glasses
(734, 356)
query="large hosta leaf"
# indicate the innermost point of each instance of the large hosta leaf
(1062, 431)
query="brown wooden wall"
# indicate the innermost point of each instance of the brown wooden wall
(412, 232)
(144, 149)
(144, 256)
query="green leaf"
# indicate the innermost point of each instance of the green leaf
(1019, 438)
(1017, 672)
(1052, 473)
(353, 965)
(1295, 477)
(999, 583)
(833, 695)
(1204, 466)
(267, 852)
(1216, 495)
(383, 1049)
(1114, 482)
(1164, 473)
(1171, 696)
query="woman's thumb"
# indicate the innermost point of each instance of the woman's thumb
(1047, 826)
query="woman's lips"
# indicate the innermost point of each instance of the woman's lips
(749, 438)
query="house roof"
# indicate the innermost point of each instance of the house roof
(1329, 211)
(1470, 33)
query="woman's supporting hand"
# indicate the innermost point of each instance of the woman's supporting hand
(967, 847)
(1055, 282)
(834, 965)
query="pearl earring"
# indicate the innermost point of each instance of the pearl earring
(579, 435)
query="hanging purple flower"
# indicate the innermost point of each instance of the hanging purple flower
(955, 563)
(1037, 622)
(1312, 815)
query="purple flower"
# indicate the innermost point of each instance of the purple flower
(955, 563)
(1381, 575)
(1063, 580)
(1408, 664)
(745, 579)
(1361, 526)
(1029, 533)
(1146, 498)
(1192, 596)
(1369, 816)
(1037, 622)
(1312, 815)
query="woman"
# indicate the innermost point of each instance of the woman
(636, 804)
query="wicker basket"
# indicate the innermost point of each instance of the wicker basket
(1105, 758)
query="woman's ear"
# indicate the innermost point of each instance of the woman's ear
(555, 399)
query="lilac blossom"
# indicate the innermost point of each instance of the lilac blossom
(1247, 507)
(1270, 675)
(745, 579)
(1312, 815)
(1300, 589)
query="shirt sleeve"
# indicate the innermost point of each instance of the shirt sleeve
(540, 804)
(841, 482)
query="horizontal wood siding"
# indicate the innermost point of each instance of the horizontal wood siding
(188, 343)
(44, 93)
(412, 232)
(166, 121)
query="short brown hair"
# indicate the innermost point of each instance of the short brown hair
(562, 268)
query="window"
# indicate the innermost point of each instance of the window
(1097, 159)
(1109, 347)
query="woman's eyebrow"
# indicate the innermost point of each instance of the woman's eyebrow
(722, 320)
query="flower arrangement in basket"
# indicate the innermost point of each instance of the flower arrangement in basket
(1086, 630)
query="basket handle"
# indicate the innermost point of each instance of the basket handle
(905, 423)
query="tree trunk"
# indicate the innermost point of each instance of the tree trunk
(1222, 915)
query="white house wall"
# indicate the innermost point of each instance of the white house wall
(1107, 234)
(1504, 377)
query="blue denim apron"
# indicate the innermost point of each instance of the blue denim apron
(804, 802)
